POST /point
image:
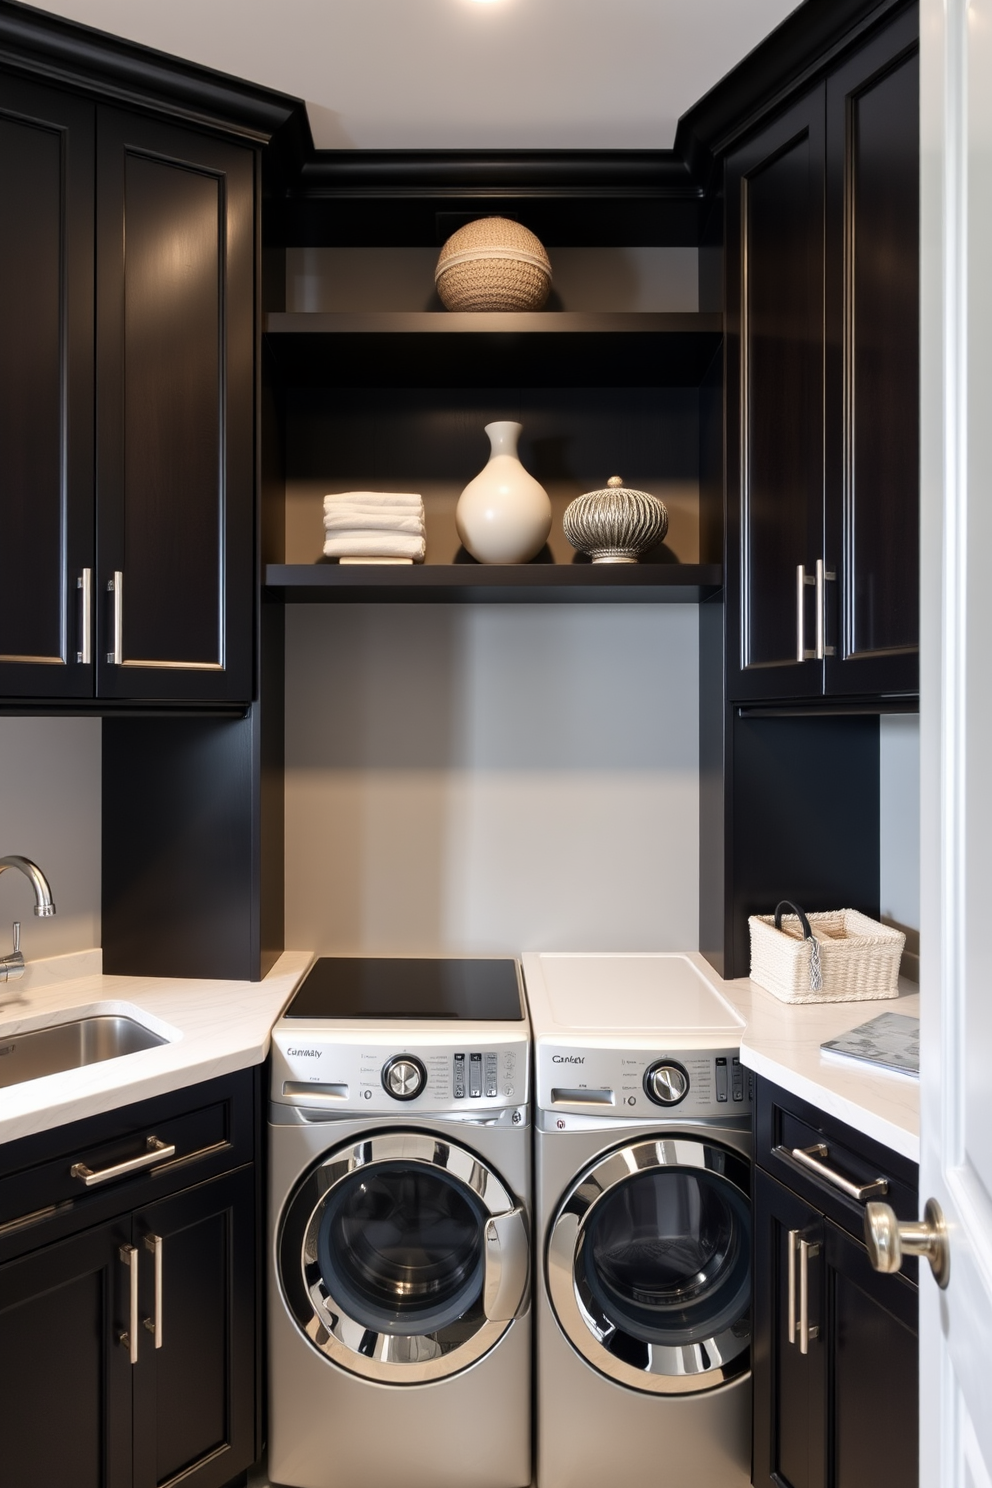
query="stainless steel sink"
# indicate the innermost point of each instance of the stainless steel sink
(65, 1046)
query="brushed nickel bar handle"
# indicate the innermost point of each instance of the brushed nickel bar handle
(793, 1241)
(809, 1157)
(154, 1324)
(823, 575)
(807, 1331)
(157, 1152)
(115, 586)
(803, 579)
(85, 586)
(129, 1256)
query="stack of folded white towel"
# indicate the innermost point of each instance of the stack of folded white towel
(374, 526)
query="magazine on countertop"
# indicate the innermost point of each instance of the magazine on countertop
(892, 1041)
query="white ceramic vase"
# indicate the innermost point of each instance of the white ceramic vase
(503, 515)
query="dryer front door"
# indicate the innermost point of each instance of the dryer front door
(402, 1257)
(649, 1265)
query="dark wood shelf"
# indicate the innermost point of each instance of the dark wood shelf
(523, 583)
(437, 348)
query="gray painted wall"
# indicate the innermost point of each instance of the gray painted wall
(900, 818)
(491, 778)
(50, 811)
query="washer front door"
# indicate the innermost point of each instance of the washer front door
(403, 1257)
(649, 1265)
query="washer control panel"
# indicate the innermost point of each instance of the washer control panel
(636, 1083)
(317, 1069)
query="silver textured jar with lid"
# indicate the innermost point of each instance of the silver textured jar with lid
(616, 525)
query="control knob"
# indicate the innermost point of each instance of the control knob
(403, 1077)
(666, 1083)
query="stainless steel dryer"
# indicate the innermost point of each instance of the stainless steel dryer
(399, 1184)
(642, 1194)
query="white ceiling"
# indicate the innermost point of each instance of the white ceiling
(448, 74)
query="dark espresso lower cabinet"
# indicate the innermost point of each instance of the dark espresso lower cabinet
(836, 1352)
(127, 1348)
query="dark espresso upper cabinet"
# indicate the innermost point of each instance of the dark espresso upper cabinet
(175, 389)
(872, 366)
(126, 405)
(46, 388)
(775, 211)
(822, 387)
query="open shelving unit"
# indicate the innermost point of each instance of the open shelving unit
(438, 349)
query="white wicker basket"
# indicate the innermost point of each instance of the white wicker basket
(858, 958)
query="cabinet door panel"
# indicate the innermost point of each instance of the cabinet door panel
(194, 1396)
(873, 365)
(46, 388)
(789, 1387)
(775, 397)
(874, 1369)
(65, 1379)
(175, 385)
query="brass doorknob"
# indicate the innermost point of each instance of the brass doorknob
(888, 1239)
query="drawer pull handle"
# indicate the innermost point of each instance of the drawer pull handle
(793, 1242)
(811, 1159)
(154, 1324)
(157, 1152)
(129, 1256)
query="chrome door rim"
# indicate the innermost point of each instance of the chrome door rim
(393, 1358)
(670, 1370)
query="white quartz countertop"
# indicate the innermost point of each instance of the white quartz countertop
(782, 1043)
(216, 1027)
(213, 1028)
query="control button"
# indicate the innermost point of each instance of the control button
(737, 1080)
(475, 1076)
(721, 1079)
(666, 1083)
(403, 1077)
(458, 1080)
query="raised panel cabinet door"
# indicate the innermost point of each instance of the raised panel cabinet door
(873, 1349)
(774, 294)
(194, 1383)
(65, 1375)
(175, 386)
(873, 445)
(46, 392)
(790, 1398)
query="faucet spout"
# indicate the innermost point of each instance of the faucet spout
(43, 905)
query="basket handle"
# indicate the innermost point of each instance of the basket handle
(815, 972)
(787, 904)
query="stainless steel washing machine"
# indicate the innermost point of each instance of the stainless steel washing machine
(642, 1197)
(399, 1270)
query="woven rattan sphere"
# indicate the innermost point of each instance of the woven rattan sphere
(615, 525)
(493, 264)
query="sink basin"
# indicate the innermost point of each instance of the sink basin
(65, 1046)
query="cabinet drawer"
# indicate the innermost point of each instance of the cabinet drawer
(83, 1173)
(784, 1125)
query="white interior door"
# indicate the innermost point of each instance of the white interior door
(956, 703)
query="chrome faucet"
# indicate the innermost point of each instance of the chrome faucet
(12, 966)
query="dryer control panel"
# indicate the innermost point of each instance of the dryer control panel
(642, 1083)
(347, 1072)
